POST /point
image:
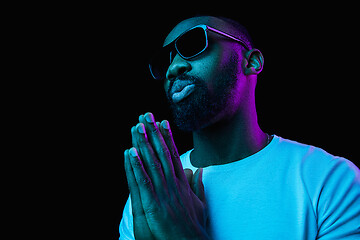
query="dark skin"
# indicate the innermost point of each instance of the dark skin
(167, 201)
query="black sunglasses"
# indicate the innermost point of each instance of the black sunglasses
(188, 45)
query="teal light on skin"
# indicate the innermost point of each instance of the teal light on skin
(227, 75)
(212, 95)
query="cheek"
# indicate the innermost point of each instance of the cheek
(217, 67)
(209, 67)
(217, 59)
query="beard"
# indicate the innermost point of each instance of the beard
(203, 106)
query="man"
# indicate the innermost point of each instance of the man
(238, 182)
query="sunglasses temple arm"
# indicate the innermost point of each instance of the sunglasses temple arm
(229, 36)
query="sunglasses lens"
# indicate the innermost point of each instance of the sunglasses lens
(159, 63)
(192, 42)
(188, 45)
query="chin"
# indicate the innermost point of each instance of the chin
(187, 121)
(190, 117)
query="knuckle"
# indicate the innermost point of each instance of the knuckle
(164, 151)
(155, 165)
(155, 130)
(151, 211)
(143, 139)
(137, 163)
(145, 181)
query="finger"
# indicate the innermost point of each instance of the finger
(197, 184)
(141, 117)
(168, 138)
(151, 162)
(135, 142)
(140, 140)
(139, 219)
(134, 191)
(142, 120)
(146, 189)
(189, 175)
(160, 147)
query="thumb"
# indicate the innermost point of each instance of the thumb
(197, 184)
(189, 175)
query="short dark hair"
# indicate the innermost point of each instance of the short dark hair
(243, 32)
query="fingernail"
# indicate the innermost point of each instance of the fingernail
(141, 128)
(133, 152)
(165, 124)
(149, 117)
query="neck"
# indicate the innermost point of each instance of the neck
(228, 140)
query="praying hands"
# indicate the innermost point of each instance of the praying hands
(167, 201)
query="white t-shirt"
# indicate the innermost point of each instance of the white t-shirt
(288, 190)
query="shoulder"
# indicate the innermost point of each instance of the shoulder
(308, 156)
(317, 169)
(321, 172)
(331, 183)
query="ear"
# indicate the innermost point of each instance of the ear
(253, 62)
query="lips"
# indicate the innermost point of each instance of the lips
(181, 89)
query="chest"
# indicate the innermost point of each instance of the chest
(258, 205)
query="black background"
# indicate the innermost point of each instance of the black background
(95, 63)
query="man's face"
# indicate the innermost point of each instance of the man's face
(208, 88)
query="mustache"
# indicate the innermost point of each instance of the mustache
(183, 77)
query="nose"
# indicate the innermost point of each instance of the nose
(177, 67)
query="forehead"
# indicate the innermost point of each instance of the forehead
(192, 22)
